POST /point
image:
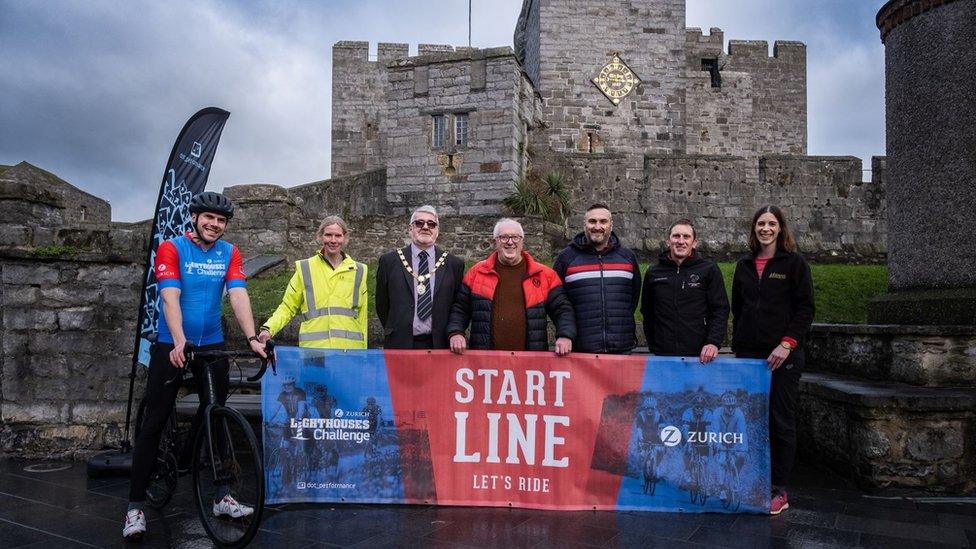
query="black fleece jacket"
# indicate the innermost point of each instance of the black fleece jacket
(780, 304)
(685, 307)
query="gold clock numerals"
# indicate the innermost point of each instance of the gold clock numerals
(616, 80)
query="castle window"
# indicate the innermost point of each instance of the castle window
(440, 125)
(711, 66)
(461, 130)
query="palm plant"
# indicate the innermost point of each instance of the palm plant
(557, 191)
(526, 199)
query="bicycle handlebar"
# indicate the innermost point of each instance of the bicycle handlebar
(269, 346)
(190, 353)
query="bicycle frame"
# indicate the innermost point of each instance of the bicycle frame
(218, 454)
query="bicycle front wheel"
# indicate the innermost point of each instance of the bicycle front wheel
(228, 478)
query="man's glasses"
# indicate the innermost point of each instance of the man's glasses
(420, 223)
(509, 238)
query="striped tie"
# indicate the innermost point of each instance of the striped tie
(424, 304)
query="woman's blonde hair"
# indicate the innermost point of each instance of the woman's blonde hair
(332, 220)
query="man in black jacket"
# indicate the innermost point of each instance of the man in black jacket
(602, 280)
(685, 307)
(415, 287)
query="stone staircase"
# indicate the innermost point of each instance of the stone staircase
(892, 407)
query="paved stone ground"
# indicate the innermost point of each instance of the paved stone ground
(66, 509)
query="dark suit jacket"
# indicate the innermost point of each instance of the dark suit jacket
(395, 304)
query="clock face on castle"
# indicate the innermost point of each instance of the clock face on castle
(616, 80)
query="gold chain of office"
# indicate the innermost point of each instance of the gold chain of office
(421, 279)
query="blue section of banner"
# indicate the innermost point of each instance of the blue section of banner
(700, 441)
(328, 428)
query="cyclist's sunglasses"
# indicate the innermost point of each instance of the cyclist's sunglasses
(419, 223)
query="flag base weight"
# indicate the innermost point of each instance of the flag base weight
(111, 463)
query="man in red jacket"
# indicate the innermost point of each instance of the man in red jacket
(506, 299)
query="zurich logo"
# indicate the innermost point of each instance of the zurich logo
(339, 412)
(670, 436)
(196, 150)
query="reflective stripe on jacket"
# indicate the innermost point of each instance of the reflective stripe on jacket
(331, 302)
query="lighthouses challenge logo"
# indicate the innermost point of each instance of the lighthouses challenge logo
(334, 428)
(326, 435)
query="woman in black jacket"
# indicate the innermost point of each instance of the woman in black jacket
(772, 308)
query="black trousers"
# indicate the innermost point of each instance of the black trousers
(159, 404)
(784, 391)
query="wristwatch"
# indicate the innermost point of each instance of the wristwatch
(253, 338)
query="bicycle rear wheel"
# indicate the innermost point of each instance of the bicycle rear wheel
(226, 459)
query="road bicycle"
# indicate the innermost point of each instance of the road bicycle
(224, 456)
(729, 483)
(652, 454)
(698, 466)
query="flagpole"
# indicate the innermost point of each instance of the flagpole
(186, 173)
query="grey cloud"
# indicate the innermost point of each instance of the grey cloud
(96, 91)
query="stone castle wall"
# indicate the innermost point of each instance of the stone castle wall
(67, 333)
(759, 106)
(574, 39)
(484, 86)
(297, 211)
(384, 111)
(834, 215)
(34, 201)
(359, 105)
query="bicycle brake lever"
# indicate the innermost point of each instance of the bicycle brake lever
(269, 350)
(188, 350)
(269, 359)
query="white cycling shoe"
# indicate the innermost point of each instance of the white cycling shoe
(230, 507)
(135, 525)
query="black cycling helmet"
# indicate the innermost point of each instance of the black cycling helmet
(210, 201)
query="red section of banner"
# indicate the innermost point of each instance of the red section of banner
(504, 428)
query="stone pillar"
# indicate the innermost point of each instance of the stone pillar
(931, 137)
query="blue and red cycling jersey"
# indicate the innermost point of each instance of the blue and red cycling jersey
(201, 276)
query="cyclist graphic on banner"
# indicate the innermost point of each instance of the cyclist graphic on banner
(649, 423)
(289, 462)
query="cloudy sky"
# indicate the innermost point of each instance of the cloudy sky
(96, 91)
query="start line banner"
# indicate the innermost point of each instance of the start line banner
(521, 429)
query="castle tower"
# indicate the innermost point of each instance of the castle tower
(930, 108)
(673, 91)
(565, 44)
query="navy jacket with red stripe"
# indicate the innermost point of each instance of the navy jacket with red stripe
(544, 295)
(604, 289)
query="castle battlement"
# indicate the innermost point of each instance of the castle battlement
(786, 50)
(714, 37)
(397, 54)
(790, 50)
(352, 50)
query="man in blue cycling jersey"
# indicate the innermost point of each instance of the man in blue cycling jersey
(192, 272)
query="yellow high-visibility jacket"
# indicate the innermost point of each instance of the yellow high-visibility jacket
(332, 304)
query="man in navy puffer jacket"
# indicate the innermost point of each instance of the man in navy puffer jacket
(603, 282)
